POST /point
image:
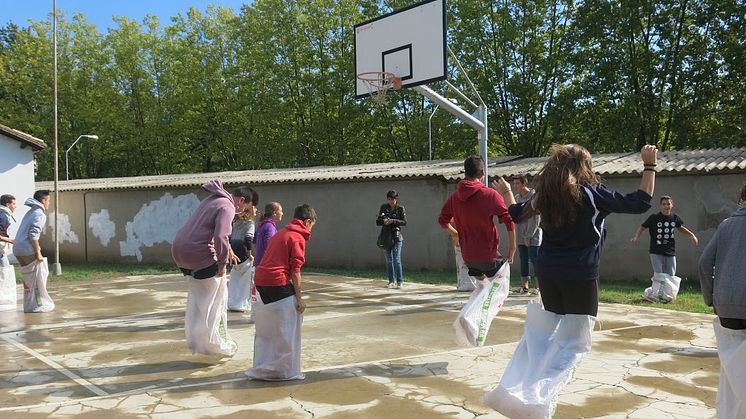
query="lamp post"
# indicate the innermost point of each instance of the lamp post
(67, 167)
(56, 268)
(430, 133)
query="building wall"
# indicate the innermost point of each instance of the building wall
(16, 174)
(139, 225)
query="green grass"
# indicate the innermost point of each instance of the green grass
(98, 271)
(689, 298)
(627, 292)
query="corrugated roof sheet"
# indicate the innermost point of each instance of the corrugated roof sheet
(24, 138)
(672, 162)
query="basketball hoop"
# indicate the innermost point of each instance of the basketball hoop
(379, 83)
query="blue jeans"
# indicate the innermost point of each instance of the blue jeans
(663, 264)
(393, 262)
(527, 254)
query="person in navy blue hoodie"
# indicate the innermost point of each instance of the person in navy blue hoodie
(573, 204)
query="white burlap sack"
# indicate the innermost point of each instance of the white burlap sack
(276, 341)
(35, 296)
(463, 280)
(8, 295)
(206, 319)
(731, 396)
(664, 289)
(239, 287)
(474, 320)
(544, 361)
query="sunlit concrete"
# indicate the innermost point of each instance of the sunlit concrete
(116, 349)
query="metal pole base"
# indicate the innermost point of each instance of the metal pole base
(56, 269)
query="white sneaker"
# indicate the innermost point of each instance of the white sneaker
(390, 285)
(398, 286)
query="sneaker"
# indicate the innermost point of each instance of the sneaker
(398, 286)
(524, 290)
(390, 285)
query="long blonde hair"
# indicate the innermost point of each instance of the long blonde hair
(559, 184)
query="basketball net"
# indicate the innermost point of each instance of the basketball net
(379, 83)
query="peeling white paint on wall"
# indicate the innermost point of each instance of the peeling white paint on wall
(66, 232)
(102, 227)
(157, 222)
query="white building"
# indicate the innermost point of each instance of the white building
(17, 167)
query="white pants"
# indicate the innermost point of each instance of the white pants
(544, 361)
(206, 320)
(8, 296)
(464, 281)
(35, 296)
(239, 287)
(277, 341)
(731, 397)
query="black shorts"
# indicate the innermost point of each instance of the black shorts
(735, 324)
(204, 273)
(270, 294)
(488, 269)
(570, 296)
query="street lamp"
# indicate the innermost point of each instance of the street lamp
(430, 129)
(67, 168)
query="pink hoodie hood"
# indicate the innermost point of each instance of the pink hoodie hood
(204, 239)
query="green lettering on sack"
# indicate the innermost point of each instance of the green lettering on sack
(485, 312)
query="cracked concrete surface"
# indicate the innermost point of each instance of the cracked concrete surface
(117, 348)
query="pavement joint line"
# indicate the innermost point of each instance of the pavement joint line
(59, 368)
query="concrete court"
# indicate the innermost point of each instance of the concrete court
(116, 349)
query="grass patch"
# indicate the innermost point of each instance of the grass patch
(98, 271)
(689, 298)
(627, 292)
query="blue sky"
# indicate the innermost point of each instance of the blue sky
(99, 12)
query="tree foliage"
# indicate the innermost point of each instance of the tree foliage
(272, 85)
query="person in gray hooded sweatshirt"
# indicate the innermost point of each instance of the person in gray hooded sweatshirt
(723, 283)
(27, 250)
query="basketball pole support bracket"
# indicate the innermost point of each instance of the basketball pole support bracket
(477, 120)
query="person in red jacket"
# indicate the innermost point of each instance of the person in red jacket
(279, 312)
(468, 215)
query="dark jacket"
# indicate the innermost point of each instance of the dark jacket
(398, 214)
(573, 251)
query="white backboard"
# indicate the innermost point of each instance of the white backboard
(411, 43)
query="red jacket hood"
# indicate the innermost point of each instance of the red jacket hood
(468, 187)
(297, 225)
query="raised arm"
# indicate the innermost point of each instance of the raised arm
(649, 155)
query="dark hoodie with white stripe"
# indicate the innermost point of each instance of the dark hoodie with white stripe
(573, 251)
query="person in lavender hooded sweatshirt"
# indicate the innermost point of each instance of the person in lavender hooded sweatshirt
(201, 249)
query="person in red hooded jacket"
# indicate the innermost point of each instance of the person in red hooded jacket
(278, 316)
(468, 216)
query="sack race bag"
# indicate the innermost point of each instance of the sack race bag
(206, 318)
(239, 287)
(385, 239)
(253, 297)
(474, 320)
(543, 363)
(665, 288)
(276, 341)
(8, 296)
(463, 281)
(731, 395)
(35, 296)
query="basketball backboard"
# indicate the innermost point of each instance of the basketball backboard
(409, 43)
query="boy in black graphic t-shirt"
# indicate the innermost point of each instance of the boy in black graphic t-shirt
(662, 244)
